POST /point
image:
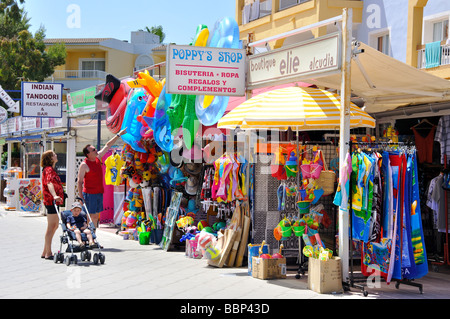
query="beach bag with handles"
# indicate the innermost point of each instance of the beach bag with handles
(327, 178)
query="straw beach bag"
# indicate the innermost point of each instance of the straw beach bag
(326, 179)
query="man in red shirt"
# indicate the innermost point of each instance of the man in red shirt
(90, 177)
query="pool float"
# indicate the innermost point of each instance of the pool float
(153, 88)
(160, 123)
(225, 35)
(137, 101)
(190, 122)
(115, 93)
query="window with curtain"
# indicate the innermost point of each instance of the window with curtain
(440, 30)
(383, 44)
(88, 67)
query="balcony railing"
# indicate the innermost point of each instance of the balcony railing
(445, 56)
(261, 8)
(79, 74)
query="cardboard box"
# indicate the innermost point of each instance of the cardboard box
(268, 268)
(325, 277)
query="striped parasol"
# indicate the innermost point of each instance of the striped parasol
(301, 107)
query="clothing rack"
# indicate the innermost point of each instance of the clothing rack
(446, 260)
(356, 281)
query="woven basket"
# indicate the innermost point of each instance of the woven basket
(326, 180)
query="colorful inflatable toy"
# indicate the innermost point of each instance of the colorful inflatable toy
(115, 93)
(136, 103)
(225, 35)
(160, 123)
(190, 122)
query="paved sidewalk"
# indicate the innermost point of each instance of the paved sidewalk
(134, 271)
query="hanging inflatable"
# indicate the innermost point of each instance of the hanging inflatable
(160, 122)
(137, 101)
(172, 111)
(115, 93)
(153, 88)
(225, 35)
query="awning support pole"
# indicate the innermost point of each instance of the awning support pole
(345, 133)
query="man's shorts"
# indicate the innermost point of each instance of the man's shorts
(94, 202)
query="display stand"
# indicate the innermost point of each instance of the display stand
(171, 217)
(446, 260)
(356, 281)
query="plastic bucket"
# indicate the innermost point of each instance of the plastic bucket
(316, 169)
(291, 170)
(298, 230)
(156, 236)
(144, 238)
(303, 206)
(306, 171)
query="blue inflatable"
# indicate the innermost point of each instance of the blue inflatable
(137, 99)
(224, 35)
(160, 124)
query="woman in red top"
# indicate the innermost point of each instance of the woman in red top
(53, 192)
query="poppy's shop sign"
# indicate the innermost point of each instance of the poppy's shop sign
(42, 99)
(205, 71)
(297, 62)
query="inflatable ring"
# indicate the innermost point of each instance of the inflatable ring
(137, 101)
(161, 124)
(225, 35)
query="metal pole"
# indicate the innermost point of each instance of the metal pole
(345, 133)
(99, 129)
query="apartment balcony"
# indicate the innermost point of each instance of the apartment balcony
(256, 9)
(444, 57)
(75, 80)
(78, 74)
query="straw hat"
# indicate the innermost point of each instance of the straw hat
(192, 185)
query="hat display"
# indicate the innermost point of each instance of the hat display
(77, 205)
(175, 156)
(192, 185)
(178, 177)
(193, 168)
(191, 207)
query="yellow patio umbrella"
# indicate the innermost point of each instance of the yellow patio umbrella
(303, 108)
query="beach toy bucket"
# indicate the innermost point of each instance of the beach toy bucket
(156, 236)
(144, 238)
(303, 206)
(291, 166)
(306, 171)
(316, 169)
(291, 170)
(298, 230)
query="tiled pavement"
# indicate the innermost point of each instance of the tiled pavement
(135, 271)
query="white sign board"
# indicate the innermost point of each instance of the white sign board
(300, 61)
(12, 106)
(205, 71)
(42, 99)
(3, 115)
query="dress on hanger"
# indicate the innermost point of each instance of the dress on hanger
(424, 145)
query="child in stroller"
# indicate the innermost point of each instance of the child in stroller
(76, 228)
(77, 223)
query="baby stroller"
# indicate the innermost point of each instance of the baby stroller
(68, 237)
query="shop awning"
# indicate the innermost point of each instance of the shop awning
(238, 100)
(386, 83)
(303, 108)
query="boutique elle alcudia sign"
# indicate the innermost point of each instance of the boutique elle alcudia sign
(296, 62)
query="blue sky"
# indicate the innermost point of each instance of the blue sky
(117, 19)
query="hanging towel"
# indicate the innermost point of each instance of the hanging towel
(432, 54)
